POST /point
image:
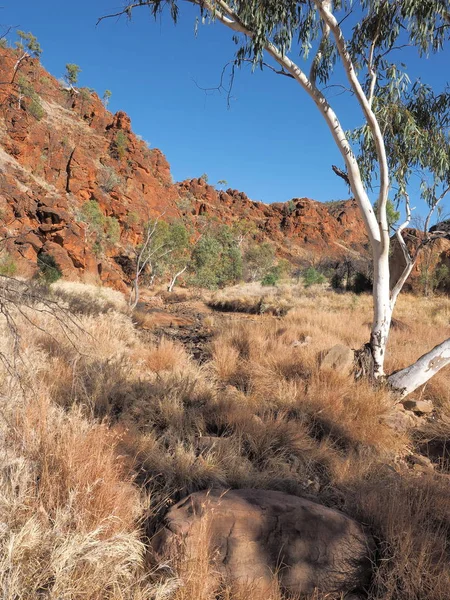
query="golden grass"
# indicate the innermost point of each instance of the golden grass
(103, 428)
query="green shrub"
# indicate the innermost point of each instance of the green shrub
(361, 283)
(216, 260)
(311, 277)
(112, 230)
(270, 279)
(119, 146)
(72, 72)
(106, 230)
(49, 270)
(34, 106)
(7, 265)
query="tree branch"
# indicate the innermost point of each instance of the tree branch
(347, 62)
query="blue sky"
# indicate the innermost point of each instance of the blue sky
(271, 143)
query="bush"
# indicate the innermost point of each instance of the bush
(258, 260)
(7, 265)
(108, 179)
(49, 270)
(106, 230)
(119, 146)
(270, 279)
(216, 260)
(33, 106)
(311, 277)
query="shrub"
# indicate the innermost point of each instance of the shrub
(119, 145)
(270, 279)
(7, 265)
(216, 260)
(72, 72)
(258, 260)
(106, 230)
(108, 179)
(49, 270)
(34, 106)
(311, 277)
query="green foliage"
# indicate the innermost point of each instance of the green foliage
(258, 259)
(8, 266)
(85, 95)
(222, 182)
(28, 43)
(431, 279)
(392, 215)
(105, 230)
(290, 207)
(311, 277)
(3, 43)
(204, 177)
(132, 219)
(119, 146)
(49, 270)
(216, 259)
(35, 108)
(168, 248)
(33, 105)
(270, 279)
(106, 97)
(71, 74)
(185, 204)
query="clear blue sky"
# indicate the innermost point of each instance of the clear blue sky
(272, 143)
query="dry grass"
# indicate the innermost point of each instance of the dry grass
(106, 428)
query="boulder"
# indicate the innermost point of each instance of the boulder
(253, 534)
(339, 358)
(419, 406)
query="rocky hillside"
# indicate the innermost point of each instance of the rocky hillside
(77, 184)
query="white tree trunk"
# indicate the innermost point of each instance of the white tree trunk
(175, 277)
(409, 379)
(382, 312)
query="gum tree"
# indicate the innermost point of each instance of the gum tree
(405, 128)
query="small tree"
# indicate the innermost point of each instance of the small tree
(216, 259)
(27, 47)
(258, 260)
(106, 97)
(177, 261)
(71, 74)
(165, 247)
(104, 231)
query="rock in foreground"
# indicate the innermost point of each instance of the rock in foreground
(255, 533)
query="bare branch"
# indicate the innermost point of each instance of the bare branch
(341, 174)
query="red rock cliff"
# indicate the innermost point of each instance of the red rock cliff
(61, 149)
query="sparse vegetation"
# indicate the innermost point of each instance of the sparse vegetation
(311, 277)
(119, 145)
(71, 74)
(106, 98)
(104, 231)
(108, 179)
(8, 266)
(49, 270)
(116, 427)
(33, 102)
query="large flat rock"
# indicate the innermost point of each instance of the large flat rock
(255, 533)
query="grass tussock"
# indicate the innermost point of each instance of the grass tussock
(104, 427)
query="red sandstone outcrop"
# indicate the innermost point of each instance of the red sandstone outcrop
(52, 164)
